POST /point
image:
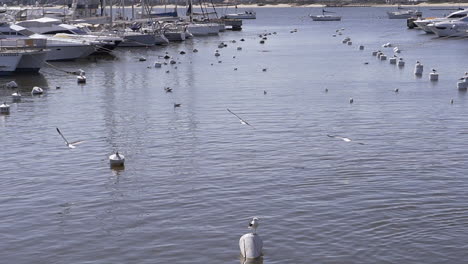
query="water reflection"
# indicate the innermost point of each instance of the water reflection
(258, 260)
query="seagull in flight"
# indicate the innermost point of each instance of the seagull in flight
(69, 144)
(345, 139)
(242, 121)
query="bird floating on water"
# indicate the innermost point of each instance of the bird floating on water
(168, 89)
(177, 105)
(69, 144)
(351, 100)
(242, 121)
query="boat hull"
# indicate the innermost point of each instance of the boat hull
(8, 62)
(31, 62)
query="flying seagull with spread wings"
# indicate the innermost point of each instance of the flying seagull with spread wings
(242, 121)
(69, 144)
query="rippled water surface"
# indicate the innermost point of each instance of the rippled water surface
(194, 175)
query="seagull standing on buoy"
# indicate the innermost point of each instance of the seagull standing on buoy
(69, 144)
(242, 121)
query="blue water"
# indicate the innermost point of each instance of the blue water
(194, 175)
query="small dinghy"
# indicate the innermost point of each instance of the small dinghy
(11, 85)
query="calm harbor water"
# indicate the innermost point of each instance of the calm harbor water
(194, 175)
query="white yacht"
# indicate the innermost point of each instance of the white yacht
(104, 42)
(450, 28)
(58, 48)
(203, 29)
(30, 52)
(248, 14)
(422, 24)
(324, 17)
(405, 14)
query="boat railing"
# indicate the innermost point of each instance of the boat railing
(23, 43)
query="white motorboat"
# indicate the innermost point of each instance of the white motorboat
(104, 42)
(422, 23)
(450, 28)
(33, 53)
(405, 14)
(58, 48)
(9, 60)
(203, 29)
(324, 17)
(248, 14)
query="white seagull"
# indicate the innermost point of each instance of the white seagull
(345, 139)
(254, 224)
(69, 144)
(242, 121)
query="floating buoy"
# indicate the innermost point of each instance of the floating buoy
(433, 76)
(177, 105)
(462, 84)
(220, 61)
(221, 45)
(374, 53)
(393, 60)
(451, 101)
(264, 69)
(4, 108)
(396, 50)
(396, 90)
(326, 90)
(157, 64)
(173, 62)
(117, 160)
(37, 90)
(182, 52)
(57, 87)
(81, 79)
(418, 68)
(168, 89)
(383, 57)
(166, 57)
(334, 35)
(379, 54)
(262, 42)
(264, 92)
(401, 62)
(361, 47)
(235, 69)
(239, 48)
(195, 50)
(142, 59)
(242, 39)
(217, 54)
(251, 244)
(351, 100)
(350, 43)
(16, 96)
(387, 45)
(11, 84)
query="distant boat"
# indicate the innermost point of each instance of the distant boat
(249, 14)
(324, 17)
(404, 14)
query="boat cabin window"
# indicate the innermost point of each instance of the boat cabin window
(457, 16)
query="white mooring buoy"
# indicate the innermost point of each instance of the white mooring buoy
(393, 60)
(81, 78)
(4, 108)
(462, 84)
(250, 244)
(116, 160)
(383, 57)
(158, 64)
(16, 97)
(434, 76)
(37, 90)
(350, 43)
(401, 62)
(418, 68)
